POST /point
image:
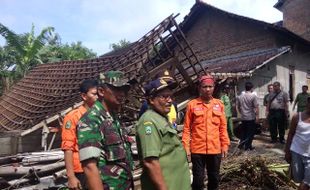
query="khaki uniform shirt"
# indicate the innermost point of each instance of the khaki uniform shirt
(157, 138)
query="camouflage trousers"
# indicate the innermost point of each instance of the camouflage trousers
(117, 178)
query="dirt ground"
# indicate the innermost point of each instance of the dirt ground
(263, 148)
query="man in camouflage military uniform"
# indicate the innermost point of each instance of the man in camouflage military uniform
(104, 145)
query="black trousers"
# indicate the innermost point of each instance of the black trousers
(212, 163)
(247, 136)
(277, 124)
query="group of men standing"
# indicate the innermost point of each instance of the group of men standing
(96, 143)
(277, 112)
(97, 147)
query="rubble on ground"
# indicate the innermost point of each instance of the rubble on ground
(253, 170)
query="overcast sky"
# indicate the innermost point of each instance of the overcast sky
(98, 23)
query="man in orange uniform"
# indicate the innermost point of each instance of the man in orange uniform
(76, 179)
(205, 137)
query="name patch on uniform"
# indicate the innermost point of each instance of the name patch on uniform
(217, 107)
(68, 125)
(148, 130)
(198, 109)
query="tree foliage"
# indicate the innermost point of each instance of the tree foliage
(7, 58)
(25, 47)
(22, 52)
(119, 45)
(59, 52)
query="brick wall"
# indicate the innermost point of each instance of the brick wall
(296, 17)
(215, 34)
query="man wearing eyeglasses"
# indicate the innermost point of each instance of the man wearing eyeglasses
(160, 150)
(172, 115)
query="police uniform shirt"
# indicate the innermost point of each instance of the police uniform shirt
(280, 101)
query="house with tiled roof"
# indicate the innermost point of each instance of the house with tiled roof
(238, 49)
(231, 47)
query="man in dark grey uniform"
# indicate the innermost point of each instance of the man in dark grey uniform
(277, 108)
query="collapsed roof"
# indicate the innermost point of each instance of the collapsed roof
(51, 88)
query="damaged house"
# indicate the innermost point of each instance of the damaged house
(242, 49)
(32, 111)
(233, 48)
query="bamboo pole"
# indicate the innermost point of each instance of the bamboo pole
(17, 171)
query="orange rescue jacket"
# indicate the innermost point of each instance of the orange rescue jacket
(69, 137)
(205, 127)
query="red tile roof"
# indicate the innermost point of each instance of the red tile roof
(49, 89)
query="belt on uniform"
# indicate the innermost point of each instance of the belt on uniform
(277, 109)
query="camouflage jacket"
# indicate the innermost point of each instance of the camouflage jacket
(102, 137)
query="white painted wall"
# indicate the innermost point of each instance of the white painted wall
(278, 70)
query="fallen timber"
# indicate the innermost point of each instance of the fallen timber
(16, 175)
(27, 169)
(22, 170)
(241, 172)
(30, 157)
(55, 176)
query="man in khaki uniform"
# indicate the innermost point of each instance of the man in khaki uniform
(301, 99)
(160, 149)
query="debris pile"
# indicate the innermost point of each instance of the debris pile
(255, 173)
(35, 170)
(42, 170)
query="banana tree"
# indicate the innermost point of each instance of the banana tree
(26, 47)
(6, 61)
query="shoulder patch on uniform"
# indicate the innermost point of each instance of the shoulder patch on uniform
(68, 125)
(147, 123)
(148, 130)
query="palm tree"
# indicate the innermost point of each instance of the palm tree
(26, 47)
